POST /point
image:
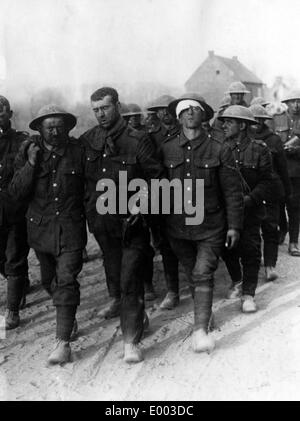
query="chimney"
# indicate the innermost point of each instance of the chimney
(235, 58)
(211, 53)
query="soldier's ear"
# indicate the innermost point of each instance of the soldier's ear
(243, 126)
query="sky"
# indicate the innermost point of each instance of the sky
(56, 42)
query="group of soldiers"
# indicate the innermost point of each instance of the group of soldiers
(50, 184)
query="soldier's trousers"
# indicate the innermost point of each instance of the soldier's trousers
(293, 210)
(59, 278)
(170, 263)
(13, 261)
(270, 233)
(200, 261)
(124, 268)
(247, 253)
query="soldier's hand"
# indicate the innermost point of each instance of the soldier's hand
(32, 154)
(232, 239)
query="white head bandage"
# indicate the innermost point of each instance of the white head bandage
(185, 104)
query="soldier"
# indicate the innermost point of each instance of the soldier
(191, 155)
(134, 117)
(259, 100)
(253, 161)
(217, 125)
(132, 114)
(50, 176)
(168, 126)
(168, 123)
(237, 92)
(13, 236)
(281, 189)
(288, 128)
(112, 147)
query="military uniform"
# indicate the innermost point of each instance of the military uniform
(170, 261)
(198, 247)
(287, 126)
(253, 159)
(13, 236)
(281, 190)
(54, 189)
(107, 153)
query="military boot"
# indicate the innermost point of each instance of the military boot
(248, 304)
(61, 353)
(271, 274)
(203, 297)
(294, 250)
(12, 319)
(170, 301)
(74, 333)
(132, 353)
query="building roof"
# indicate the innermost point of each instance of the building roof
(240, 71)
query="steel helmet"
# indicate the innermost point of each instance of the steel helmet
(226, 101)
(133, 109)
(292, 96)
(237, 88)
(124, 109)
(259, 112)
(238, 112)
(161, 102)
(259, 100)
(209, 112)
(52, 110)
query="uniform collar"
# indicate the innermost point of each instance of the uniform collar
(59, 150)
(195, 143)
(242, 145)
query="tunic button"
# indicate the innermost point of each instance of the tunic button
(56, 199)
(0, 165)
(171, 166)
(123, 162)
(189, 148)
(88, 158)
(104, 169)
(57, 213)
(188, 160)
(206, 166)
(0, 177)
(104, 155)
(188, 174)
(53, 156)
(54, 171)
(236, 161)
(31, 219)
(188, 189)
(54, 184)
(73, 172)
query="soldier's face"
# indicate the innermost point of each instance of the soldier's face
(259, 127)
(53, 130)
(106, 112)
(5, 116)
(164, 116)
(232, 128)
(294, 106)
(135, 121)
(237, 99)
(191, 118)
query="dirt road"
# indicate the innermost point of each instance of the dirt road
(256, 358)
